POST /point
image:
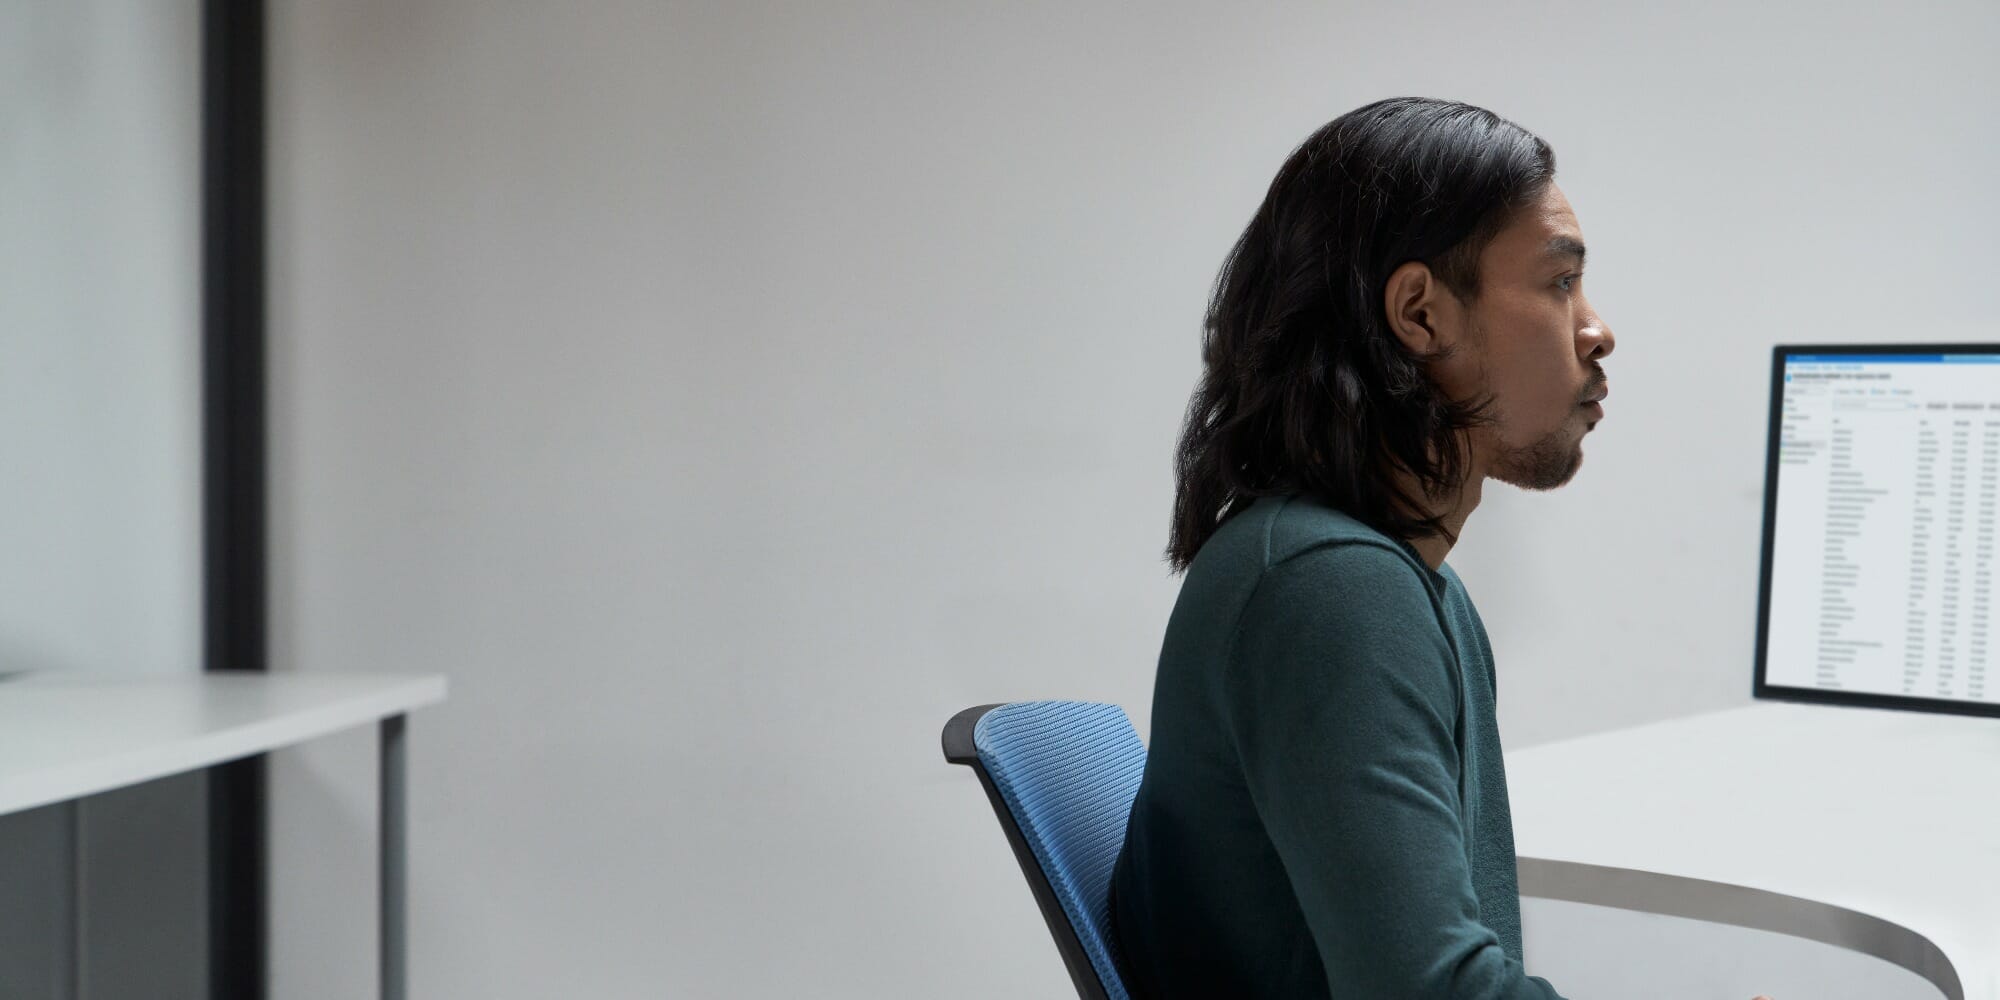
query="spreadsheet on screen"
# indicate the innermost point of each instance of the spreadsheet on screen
(1883, 525)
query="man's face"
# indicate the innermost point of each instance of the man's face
(1534, 343)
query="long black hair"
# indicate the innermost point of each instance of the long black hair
(1305, 389)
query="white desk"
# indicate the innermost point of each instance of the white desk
(1868, 829)
(65, 736)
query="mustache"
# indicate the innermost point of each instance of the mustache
(1598, 380)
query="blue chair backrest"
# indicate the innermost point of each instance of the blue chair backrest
(1066, 773)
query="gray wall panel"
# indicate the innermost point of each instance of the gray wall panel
(143, 894)
(37, 905)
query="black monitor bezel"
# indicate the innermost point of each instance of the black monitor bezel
(1762, 689)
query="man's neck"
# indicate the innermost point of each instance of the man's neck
(1454, 510)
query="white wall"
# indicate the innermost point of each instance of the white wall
(100, 336)
(723, 394)
(100, 469)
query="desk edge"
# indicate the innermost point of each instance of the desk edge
(92, 777)
(1740, 906)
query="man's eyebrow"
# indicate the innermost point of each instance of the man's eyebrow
(1564, 246)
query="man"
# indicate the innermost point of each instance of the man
(1323, 811)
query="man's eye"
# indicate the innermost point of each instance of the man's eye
(1571, 277)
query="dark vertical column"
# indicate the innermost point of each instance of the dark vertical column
(233, 510)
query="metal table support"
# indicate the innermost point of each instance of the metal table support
(394, 877)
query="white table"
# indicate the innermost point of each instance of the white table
(66, 735)
(1867, 829)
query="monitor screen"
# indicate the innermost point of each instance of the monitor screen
(1879, 527)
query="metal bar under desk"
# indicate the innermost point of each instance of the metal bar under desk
(395, 873)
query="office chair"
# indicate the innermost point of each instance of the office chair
(1061, 776)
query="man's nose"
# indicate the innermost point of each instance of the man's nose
(1594, 340)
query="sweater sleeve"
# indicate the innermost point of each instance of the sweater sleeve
(1342, 694)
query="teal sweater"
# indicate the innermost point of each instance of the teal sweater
(1324, 811)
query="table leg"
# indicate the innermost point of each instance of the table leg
(394, 876)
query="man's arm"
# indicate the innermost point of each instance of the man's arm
(1343, 697)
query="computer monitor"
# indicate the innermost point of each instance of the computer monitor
(1880, 528)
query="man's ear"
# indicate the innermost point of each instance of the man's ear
(1423, 314)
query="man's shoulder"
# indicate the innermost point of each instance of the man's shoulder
(1305, 525)
(1275, 530)
(1298, 553)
